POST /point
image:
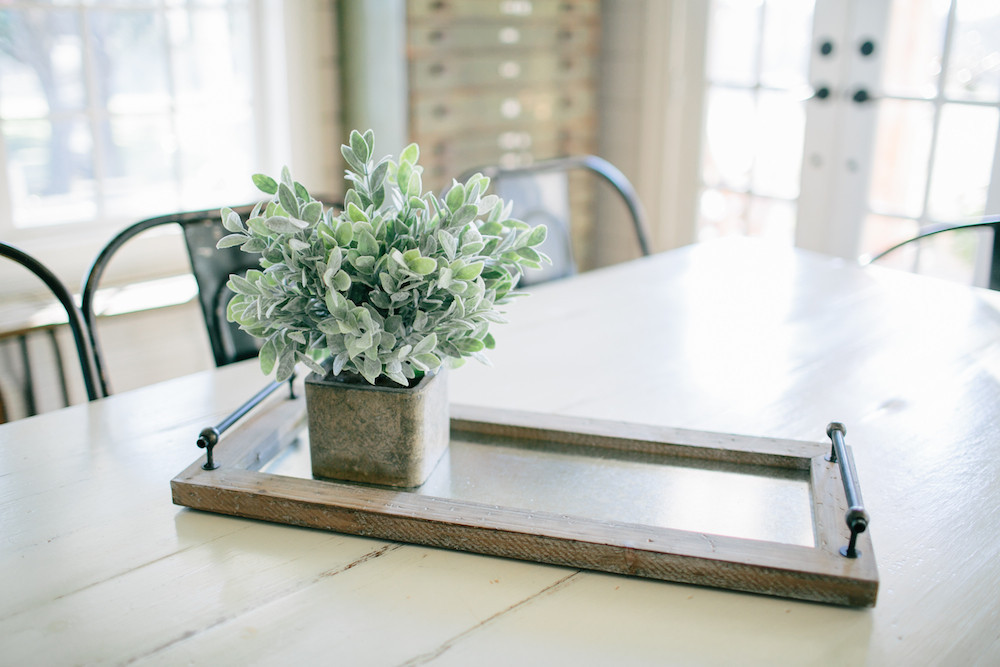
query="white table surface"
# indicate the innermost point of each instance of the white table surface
(97, 566)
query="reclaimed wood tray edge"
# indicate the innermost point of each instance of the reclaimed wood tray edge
(820, 573)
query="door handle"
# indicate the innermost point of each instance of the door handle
(861, 95)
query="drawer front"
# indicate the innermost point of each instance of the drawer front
(498, 70)
(440, 40)
(440, 114)
(501, 10)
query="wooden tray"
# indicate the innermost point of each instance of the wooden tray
(575, 492)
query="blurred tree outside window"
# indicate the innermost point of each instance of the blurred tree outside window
(117, 110)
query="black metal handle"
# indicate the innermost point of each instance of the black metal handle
(857, 518)
(210, 435)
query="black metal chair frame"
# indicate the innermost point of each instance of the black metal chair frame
(222, 353)
(932, 230)
(229, 344)
(592, 163)
(74, 315)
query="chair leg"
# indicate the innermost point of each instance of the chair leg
(29, 384)
(995, 263)
(60, 368)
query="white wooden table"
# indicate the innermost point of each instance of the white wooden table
(97, 566)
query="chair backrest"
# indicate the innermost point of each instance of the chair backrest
(211, 268)
(540, 195)
(74, 316)
(992, 222)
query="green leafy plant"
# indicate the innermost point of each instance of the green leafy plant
(392, 286)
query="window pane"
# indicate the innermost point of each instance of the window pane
(733, 37)
(729, 138)
(130, 63)
(787, 36)
(914, 44)
(901, 157)
(49, 171)
(211, 59)
(974, 64)
(40, 63)
(139, 161)
(780, 124)
(962, 162)
(210, 144)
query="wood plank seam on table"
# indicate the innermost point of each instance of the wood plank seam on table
(449, 643)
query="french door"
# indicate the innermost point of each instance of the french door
(844, 126)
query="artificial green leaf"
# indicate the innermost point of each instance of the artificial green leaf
(464, 215)
(455, 197)
(427, 344)
(469, 271)
(367, 245)
(341, 281)
(312, 212)
(423, 266)
(241, 285)
(414, 186)
(403, 174)
(379, 174)
(254, 245)
(355, 213)
(529, 254)
(351, 159)
(230, 240)
(537, 235)
(427, 360)
(344, 233)
(265, 184)
(268, 355)
(410, 154)
(468, 345)
(231, 221)
(359, 147)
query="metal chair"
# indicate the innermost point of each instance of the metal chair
(211, 268)
(540, 192)
(992, 222)
(77, 325)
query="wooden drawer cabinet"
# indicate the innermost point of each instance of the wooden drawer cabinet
(503, 82)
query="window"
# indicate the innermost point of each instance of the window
(116, 110)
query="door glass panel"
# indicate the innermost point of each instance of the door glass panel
(733, 37)
(963, 159)
(901, 156)
(785, 46)
(778, 151)
(729, 138)
(974, 64)
(882, 232)
(913, 46)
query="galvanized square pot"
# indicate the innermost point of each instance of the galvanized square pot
(393, 436)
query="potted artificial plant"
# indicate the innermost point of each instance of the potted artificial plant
(376, 301)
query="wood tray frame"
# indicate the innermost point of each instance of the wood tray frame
(819, 573)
